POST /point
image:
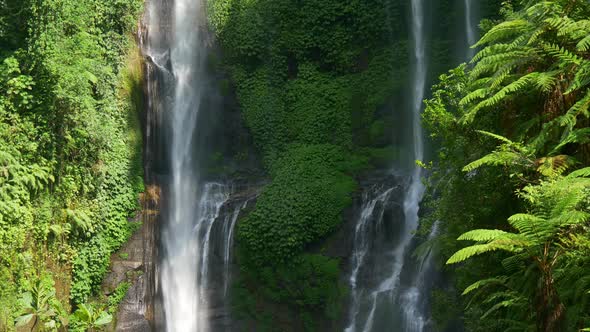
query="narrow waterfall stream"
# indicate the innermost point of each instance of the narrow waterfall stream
(470, 28)
(414, 319)
(388, 303)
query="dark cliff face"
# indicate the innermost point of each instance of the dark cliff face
(134, 264)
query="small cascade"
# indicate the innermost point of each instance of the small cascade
(229, 226)
(392, 299)
(414, 298)
(185, 271)
(372, 210)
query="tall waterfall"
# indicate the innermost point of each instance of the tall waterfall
(176, 50)
(183, 294)
(413, 318)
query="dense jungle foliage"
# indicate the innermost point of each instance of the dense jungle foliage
(512, 176)
(318, 83)
(309, 77)
(70, 156)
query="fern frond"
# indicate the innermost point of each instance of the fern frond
(494, 159)
(545, 81)
(581, 173)
(470, 97)
(504, 31)
(496, 136)
(490, 50)
(554, 166)
(525, 223)
(574, 217)
(542, 9)
(580, 136)
(503, 304)
(581, 78)
(483, 235)
(484, 283)
(478, 249)
(512, 88)
(562, 54)
(584, 44)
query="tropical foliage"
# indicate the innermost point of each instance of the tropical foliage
(70, 141)
(513, 130)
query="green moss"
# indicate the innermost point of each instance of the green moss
(310, 188)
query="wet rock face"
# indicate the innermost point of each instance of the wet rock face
(134, 264)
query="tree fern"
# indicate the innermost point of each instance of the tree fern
(504, 31)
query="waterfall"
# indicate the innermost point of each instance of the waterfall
(414, 317)
(469, 29)
(372, 209)
(385, 302)
(175, 51)
(415, 191)
(228, 228)
(184, 305)
(412, 313)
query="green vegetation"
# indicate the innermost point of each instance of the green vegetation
(70, 151)
(510, 174)
(309, 77)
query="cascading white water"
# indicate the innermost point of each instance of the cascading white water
(469, 28)
(416, 190)
(190, 211)
(414, 318)
(387, 293)
(185, 267)
(228, 229)
(362, 238)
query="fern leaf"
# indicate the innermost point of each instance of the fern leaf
(470, 97)
(581, 173)
(493, 159)
(496, 136)
(504, 31)
(584, 44)
(524, 222)
(483, 235)
(484, 283)
(562, 54)
(580, 136)
(478, 249)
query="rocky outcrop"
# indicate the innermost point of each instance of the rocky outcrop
(134, 264)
